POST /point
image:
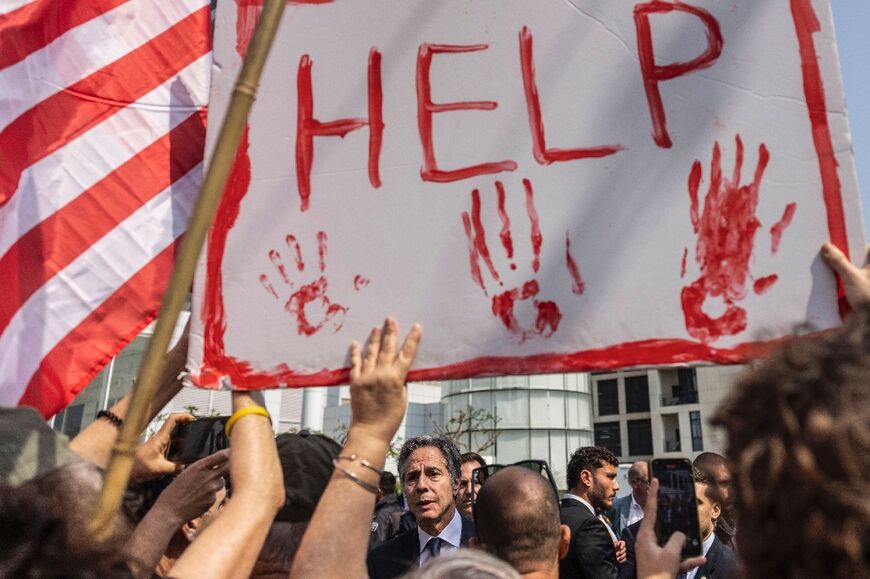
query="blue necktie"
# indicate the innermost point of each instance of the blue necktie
(434, 546)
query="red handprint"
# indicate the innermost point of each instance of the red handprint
(547, 315)
(726, 231)
(313, 292)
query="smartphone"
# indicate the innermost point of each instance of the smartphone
(677, 506)
(191, 441)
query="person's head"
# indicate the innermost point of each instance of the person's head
(708, 501)
(387, 485)
(36, 541)
(592, 475)
(638, 478)
(469, 461)
(429, 469)
(464, 564)
(518, 521)
(76, 483)
(716, 467)
(797, 431)
(306, 461)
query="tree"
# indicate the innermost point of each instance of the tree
(467, 421)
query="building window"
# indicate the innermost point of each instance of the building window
(637, 394)
(697, 436)
(671, 430)
(608, 397)
(640, 437)
(685, 391)
(607, 435)
(72, 423)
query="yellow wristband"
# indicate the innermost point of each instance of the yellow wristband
(244, 412)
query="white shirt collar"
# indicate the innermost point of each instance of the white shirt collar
(584, 501)
(708, 542)
(452, 533)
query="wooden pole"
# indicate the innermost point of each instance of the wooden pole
(216, 176)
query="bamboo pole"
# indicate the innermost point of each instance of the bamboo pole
(216, 176)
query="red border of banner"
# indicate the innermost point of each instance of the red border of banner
(217, 363)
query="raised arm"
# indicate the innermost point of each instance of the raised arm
(337, 538)
(94, 443)
(186, 498)
(229, 546)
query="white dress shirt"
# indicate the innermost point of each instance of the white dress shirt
(635, 512)
(451, 537)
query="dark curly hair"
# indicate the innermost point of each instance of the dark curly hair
(799, 442)
(588, 458)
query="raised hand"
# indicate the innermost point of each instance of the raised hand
(856, 281)
(378, 395)
(654, 561)
(151, 456)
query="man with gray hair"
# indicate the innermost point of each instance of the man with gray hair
(628, 510)
(429, 470)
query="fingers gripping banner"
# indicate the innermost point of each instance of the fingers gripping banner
(545, 186)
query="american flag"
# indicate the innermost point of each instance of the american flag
(102, 125)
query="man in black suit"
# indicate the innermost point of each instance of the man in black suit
(592, 485)
(721, 560)
(429, 470)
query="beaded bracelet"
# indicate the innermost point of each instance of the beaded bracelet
(116, 420)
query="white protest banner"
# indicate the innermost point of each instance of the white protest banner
(545, 185)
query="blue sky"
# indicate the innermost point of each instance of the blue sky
(852, 23)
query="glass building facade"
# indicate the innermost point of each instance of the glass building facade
(547, 416)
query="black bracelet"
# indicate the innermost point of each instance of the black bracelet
(111, 417)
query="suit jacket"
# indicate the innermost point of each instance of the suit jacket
(591, 554)
(395, 557)
(618, 515)
(721, 560)
(721, 563)
(628, 570)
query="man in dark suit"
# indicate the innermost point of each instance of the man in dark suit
(429, 470)
(628, 510)
(721, 559)
(717, 467)
(592, 485)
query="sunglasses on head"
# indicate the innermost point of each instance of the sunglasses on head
(480, 475)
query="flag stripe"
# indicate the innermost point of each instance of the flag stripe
(49, 184)
(66, 115)
(68, 298)
(74, 361)
(45, 250)
(24, 31)
(12, 5)
(82, 51)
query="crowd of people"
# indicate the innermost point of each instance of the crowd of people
(791, 499)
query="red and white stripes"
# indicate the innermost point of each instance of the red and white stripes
(102, 124)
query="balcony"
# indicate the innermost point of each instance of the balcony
(678, 398)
